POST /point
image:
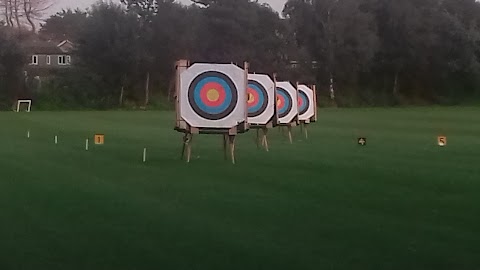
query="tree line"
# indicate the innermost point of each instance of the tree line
(358, 52)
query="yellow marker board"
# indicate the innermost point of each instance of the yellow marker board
(99, 139)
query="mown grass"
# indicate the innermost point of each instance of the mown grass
(401, 202)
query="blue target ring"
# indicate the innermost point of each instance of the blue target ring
(257, 99)
(284, 102)
(303, 102)
(213, 95)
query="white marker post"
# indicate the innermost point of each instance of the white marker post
(86, 145)
(144, 154)
(28, 134)
(56, 139)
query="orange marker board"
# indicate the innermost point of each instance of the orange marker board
(99, 139)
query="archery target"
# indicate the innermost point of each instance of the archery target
(306, 103)
(303, 102)
(260, 99)
(213, 95)
(284, 102)
(287, 103)
(257, 98)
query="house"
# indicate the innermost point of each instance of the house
(46, 57)
(297, 64)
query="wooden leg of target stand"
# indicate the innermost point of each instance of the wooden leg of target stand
(265, 140)
(231, 139)
(189, 147)
(184, 147)
(290, 134)
(187, 138)
(257, 139)
(225, 143)
(263, 137)
(306, 132)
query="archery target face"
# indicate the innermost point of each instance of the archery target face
(284, 102)
(306, 103)
(213, 95)
(287, 107)
(260, 99)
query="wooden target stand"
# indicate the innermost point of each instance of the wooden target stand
(229, 135)
(289, 127)
(261, 138)
(304, 123)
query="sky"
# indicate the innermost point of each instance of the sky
(60, 4)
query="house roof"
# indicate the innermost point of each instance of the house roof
(68, 42)
(42, 47)
(66, 46)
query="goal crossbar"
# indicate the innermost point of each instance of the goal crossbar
(27, 101)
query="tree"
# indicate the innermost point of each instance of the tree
(15, 11)
(33, 9)
(238, 31)
(423, 42)
(338, 34)
(12, 59)
(108, 46)
(67, 24)
(7, 9)
(162, 24)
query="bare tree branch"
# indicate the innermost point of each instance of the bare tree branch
(33, 9)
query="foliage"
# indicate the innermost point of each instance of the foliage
(67, 24)
(372, 52)
(12, 60)
(401, 50)
(74, 89)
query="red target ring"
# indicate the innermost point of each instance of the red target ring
(212, 94)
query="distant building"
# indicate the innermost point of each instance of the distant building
(310, 64)
(44, 57)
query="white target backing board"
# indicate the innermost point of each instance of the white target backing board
(306, 103)
(213, 95)
(287, 102)
(260, 99)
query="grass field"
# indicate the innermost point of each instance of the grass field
(401, 202)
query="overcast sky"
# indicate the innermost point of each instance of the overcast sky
(59, 4)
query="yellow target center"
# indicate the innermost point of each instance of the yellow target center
(251, 98)
(278, 101)
(213, 95)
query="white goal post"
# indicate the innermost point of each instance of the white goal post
(27, 101)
